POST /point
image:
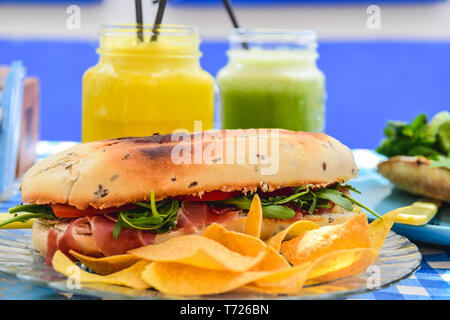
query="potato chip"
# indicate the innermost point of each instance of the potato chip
(285, 286)
(282, 277)
(286, 281)
(289, 280)
(290, 232)
(316, 243)
(272, 261)
(379, 229)
(254, 218)
(199, 251)
(341, 263)
(130, 277)
(182, 279)
(282, 274)
(106, 265)
(220, 260)
(238, 242)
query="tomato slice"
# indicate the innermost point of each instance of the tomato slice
(67, 211)
(210, 196)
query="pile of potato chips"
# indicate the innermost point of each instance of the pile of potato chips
(221, 261)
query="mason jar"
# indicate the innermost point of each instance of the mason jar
(272, 81)
(147, 80)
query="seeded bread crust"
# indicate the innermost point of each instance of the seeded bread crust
(111, 173)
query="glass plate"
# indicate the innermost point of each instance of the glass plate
(397, 260)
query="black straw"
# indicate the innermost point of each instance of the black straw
(229, 8)
(139, 19)
(158, 19)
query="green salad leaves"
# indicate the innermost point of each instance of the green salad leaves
(304, 197)
(156, 216)
(161, 216)
(419, 138)
(25, 212)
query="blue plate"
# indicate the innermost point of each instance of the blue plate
(381, 196)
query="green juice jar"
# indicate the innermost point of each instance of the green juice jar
(272, 81)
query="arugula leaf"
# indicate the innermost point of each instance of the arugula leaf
(156, 216)
(242, 202)
(24, 212)
(161, 216)
(334, 196)
(313, 206)
(269, 209)
(24, 218)
(359, 204)
(277, 212)
(32, 208)
(296, 195)
(303, 197)
(351, 188)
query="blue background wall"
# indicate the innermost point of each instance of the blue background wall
(367, 82)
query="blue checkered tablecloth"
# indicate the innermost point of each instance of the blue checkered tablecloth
(431, 281)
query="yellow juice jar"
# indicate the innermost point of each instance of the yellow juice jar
(147, 81)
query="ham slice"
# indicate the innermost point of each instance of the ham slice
(72, 239)
(52, 246)
(93, 235)
(69, 238)
(199, 214)
(102, 232)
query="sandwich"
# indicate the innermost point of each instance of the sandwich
(418, 156)
(107, 197)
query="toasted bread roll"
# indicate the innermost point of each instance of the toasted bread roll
(112, 173)
(414, 174)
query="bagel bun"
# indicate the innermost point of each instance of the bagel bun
(112, 173)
